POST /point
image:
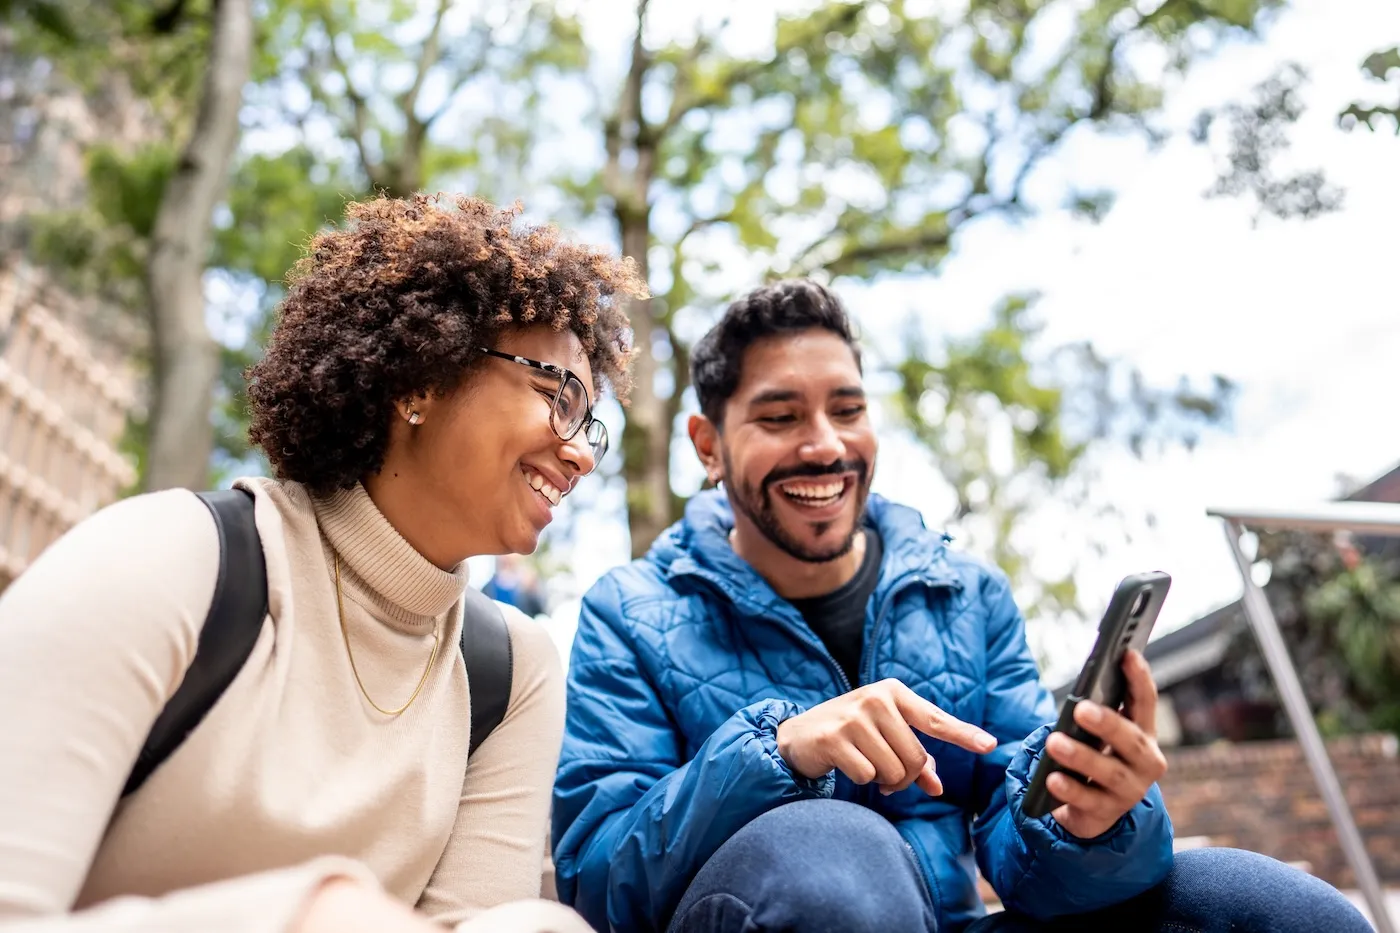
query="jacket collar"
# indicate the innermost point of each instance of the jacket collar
(698, 546)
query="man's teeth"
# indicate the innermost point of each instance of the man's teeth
(815, 492)
(542, 486)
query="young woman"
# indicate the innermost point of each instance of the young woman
(426, 396)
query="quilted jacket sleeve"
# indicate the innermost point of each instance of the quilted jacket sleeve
(633, 822)
(1035, 865)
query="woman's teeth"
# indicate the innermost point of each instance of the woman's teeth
(543, 487)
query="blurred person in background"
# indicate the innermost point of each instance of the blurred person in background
(515, 583)
(426, 397)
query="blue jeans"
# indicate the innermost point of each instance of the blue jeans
(823, 866)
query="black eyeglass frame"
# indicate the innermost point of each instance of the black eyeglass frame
(600, 447)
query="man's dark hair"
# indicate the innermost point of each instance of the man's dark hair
(395, 304)
(790, 306)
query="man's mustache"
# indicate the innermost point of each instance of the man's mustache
(856, 466)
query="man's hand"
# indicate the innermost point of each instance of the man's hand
(866, 735)
(1120, 774)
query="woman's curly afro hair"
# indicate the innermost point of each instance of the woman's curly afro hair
(394, 305)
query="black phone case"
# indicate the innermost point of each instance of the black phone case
(1039, 801)
(1102, 674)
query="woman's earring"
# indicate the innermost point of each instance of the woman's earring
(414, 418)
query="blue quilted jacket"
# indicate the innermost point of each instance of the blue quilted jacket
(686, 661)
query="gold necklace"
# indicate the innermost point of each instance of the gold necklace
(340, 611)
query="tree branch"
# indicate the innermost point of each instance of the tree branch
(683, 83)
(626, 126)
(432, 47)
(745, 73)
(416, 130)
(359, 106)
(889, 248)
(1100, 106)
(700, 223)
(630, 109)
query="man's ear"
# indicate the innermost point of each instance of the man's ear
(704, 437)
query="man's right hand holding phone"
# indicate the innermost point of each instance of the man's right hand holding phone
(1129, 764)
(868, 735)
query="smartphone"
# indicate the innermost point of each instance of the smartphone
(1127, 623)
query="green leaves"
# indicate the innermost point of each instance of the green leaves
(1379, 66)
(99, 248)
(860, 144)
(1339, 611)
(999, 388)
(1256, 134)
(126, 190)
(48, 17)
(275, 205)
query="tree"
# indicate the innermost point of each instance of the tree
(409, 97)
(1049, 407)
(138, 236)
(1257, 133)
(859, 144)
(186, 364)
(371, 96)
(1378, 65)
(1338, 609)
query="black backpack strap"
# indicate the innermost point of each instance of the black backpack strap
(490, 663)
(235, 619)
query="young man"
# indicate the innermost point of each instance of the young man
(801, 711)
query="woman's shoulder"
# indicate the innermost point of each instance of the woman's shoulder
(169, 529)
(133, 580)
(535, 658)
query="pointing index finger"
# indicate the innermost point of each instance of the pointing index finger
(935, 723)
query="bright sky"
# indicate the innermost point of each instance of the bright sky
(1299, 314)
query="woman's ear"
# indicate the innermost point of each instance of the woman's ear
(704, 437)
(414, 409)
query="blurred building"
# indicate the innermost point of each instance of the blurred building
(63, 409)
(66, 379)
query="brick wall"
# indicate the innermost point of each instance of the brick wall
(1261, 796)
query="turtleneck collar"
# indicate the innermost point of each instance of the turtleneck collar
(404, 585)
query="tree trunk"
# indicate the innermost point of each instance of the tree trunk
(628, 174)
(646, 438)
(185, 358)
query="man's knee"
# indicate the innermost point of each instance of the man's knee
(1257, 892)
(832, 821)
(810, 865)
(811, 839)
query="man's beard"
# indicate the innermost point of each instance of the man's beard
(757, 506)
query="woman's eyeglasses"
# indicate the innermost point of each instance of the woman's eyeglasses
(571, 411)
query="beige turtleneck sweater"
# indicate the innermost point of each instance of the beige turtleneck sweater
(292, 778)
